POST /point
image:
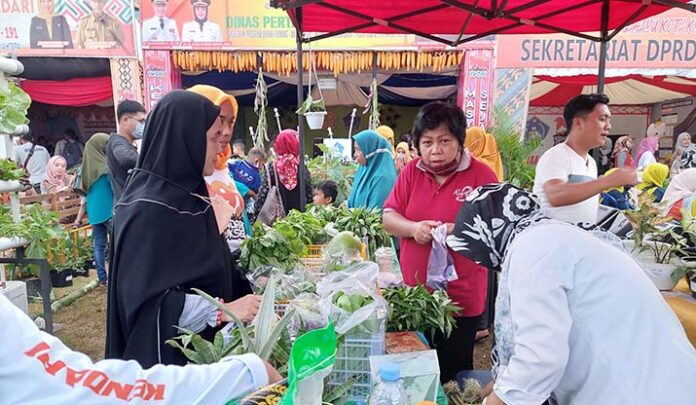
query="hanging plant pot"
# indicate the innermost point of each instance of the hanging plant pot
(63, 278)
(315, 120)
(660, 274)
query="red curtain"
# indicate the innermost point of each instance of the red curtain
(73, 92)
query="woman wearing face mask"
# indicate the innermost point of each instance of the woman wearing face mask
(376, 174)
(428, 194)
(577, 319)
(167, 240)
(56, 179)
(403, 156)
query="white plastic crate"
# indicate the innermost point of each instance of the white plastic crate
(353, 361)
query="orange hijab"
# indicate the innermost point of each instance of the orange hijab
(483, 146)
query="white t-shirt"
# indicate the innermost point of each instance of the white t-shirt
(37, 368)
(645, 159)
(563, 163)
(221, 183)
(36, 166)
(589, 326)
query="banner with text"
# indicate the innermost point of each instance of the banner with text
(229, 24)
(664, 41)
(475, 91)
(76, 28)
(157, 76)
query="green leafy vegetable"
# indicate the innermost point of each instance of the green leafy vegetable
(14, 103)
(9, 170)
(416, 309)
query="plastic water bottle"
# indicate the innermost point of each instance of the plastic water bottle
(389, 390)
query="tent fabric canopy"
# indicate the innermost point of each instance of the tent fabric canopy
(627, 90)
(73, 92)
(469, 17)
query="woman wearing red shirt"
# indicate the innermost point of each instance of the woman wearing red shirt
(428, 193)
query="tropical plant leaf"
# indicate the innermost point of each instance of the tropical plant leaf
(205, 349)
(246, 339)
(266, 351)
(263, 322)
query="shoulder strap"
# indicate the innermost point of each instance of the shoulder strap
(31, 153)
(268, 175)
(275, 172)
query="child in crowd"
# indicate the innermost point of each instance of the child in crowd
(325, 193)
(248, 171)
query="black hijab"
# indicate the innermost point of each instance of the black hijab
(166, 239)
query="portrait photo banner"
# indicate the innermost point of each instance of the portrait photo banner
(71, 28)
(238, 25)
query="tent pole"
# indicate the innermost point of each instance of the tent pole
(300, 117)
(604, 38)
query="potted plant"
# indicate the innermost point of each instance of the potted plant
(645, 220)
(514, 150)
(661, 266)
(687, 253)
(314, 111)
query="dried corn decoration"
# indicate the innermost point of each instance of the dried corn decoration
(336, 62)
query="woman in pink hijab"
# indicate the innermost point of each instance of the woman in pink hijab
(56, 179)
(646, 151)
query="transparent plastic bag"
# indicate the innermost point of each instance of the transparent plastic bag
(440, 264)
(288, 286)
(350, 299)
(307, 315)
(364, 273)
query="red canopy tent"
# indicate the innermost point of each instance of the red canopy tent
(631, 89)
(467, 20)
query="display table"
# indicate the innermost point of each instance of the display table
(684, 306)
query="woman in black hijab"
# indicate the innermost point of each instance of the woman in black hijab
(166, 238)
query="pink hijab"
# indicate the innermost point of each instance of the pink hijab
(55, 182)
(649, 143)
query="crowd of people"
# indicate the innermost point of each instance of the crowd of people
(576, 319)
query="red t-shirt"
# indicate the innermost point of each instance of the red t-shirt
(418, 197)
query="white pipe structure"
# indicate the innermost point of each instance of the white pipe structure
(11, 66)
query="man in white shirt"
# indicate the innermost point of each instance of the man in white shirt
(566, 175)
(34, 364)
(200, 29)
(160, 28)
(33, 158)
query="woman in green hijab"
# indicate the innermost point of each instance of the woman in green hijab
(376, 175)
(100, 198)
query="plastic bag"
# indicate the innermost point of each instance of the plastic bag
(364, 273)
(440, 264)
(288, 286)
(307, 315)
(311, 360)
(350, 299)
(420, 373)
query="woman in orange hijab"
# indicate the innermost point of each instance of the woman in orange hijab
(483, 146)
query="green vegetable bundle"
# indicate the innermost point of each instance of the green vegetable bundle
(416, 309)
(9, 170)
(281, 248)
(14, 103)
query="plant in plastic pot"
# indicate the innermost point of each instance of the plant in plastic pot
(314, 111)
(661, 265)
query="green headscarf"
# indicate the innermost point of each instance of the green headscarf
(374, 181)
(94, 160)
